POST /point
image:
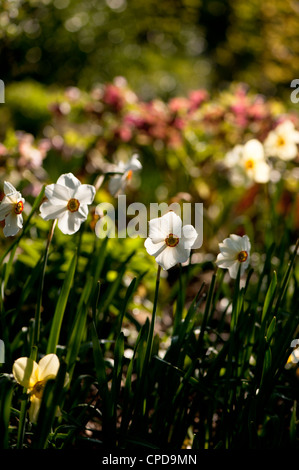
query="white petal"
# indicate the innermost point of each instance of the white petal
(85, 193)
(57, 193)
(152, 248)
(134, 164)
(246, 243)
(25, 372)
(82, 212)
(69, 180)
(13, 224)
(155, 232)
(262, 172)
(231, 243)
(52, 211)
(116, 183)
(8, 188)
(223, 262)
(169, 257)
(288, 151)
(182, 252)
(171, 223)
(69, 223)
(254, 150)
(5, 208)
(189, 236)
(233, 269)
(48, 367)
(35, 404)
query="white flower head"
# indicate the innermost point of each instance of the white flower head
(249, 162)
(11, 208)
(67, 201)
(234, 254)
(169, 241)
(119, 182)
(282, 141)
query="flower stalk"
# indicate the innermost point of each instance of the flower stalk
(37, 321)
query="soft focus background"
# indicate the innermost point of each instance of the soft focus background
(88, 83)
(161, 48)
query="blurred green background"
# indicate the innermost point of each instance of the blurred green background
(161, 48)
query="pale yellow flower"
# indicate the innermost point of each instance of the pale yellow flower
(34, 377)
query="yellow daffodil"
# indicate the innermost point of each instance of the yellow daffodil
(33, 377)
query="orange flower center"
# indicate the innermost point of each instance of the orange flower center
(73, 205)
(249, 164)
(242, 256)
(280, 141)
(172, 240)
(129, 175)
(19, 206)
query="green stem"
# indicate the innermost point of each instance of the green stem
(21, 428)
(41, 287)
(152, 325)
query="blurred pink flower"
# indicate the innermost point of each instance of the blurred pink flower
(31, 156)
(197, 97)
(113, 97)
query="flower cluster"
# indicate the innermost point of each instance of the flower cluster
(67, 200)
(251, 162)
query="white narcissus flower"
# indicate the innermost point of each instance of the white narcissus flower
(67, 201)
(282, 141)
(119, 182)
(249, 160)
(169, 241)
(11, 209)
(234, 254)
(34, 377)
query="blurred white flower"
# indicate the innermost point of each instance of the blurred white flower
(249, 162)
(67, 201)
(119, 182)
(11, 209)
(282, 141)
(234, 253)
(169, 241)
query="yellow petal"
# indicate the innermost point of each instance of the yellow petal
(34, 408)
(25, 372)
(48, 367)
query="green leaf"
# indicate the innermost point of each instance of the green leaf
(6, 395)
(269, 297)
(51, 400)
(293, 425)
(60, 307)
(271, 329)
